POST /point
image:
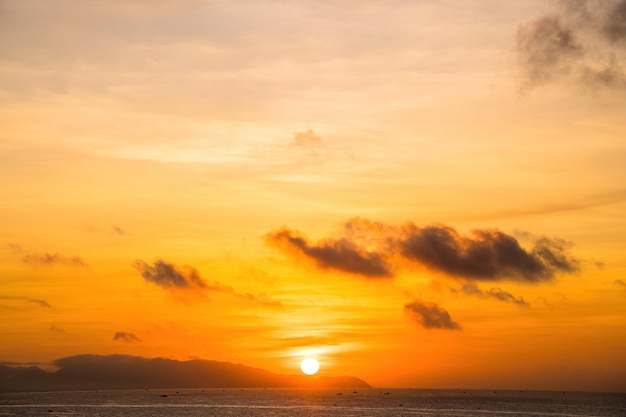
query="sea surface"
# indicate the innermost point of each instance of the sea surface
(311, 402)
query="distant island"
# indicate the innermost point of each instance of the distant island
(98, 372)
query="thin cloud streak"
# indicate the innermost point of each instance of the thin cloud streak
(187, 279)
(49, 259)
(496, 293)
(41, 303)
(126, 337)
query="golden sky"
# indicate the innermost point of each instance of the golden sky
(417, 193)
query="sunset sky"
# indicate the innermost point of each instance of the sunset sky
(425, 193)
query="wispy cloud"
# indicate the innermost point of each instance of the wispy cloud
(126, 337)
(187, 280)
(583, 41)
(430, 315)
(41, 303)
(118, 230)
(307, 142)
(49, 259)
(56, 329)
(494, 293)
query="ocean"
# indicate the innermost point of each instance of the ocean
(372, 402)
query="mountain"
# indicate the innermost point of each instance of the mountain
(89, 372)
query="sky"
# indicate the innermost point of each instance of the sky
(425, 193)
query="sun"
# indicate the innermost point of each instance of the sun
(310, 366)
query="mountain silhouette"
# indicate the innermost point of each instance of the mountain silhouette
(90, 372)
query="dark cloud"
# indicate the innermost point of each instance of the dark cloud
(620, 283)
(370, 248)
(486, 255)
(187, 279)
(126, 337)
(47, 259)
(41, 303)
(340, 254)
(495, 293)
(430, 315)
(583, 40)
(118, 231)
(169, 276)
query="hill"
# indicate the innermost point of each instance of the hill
(89, 372)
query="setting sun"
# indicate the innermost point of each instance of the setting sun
(310, 366)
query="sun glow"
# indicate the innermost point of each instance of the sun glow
(310, 366)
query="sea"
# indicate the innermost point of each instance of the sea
(311, 402)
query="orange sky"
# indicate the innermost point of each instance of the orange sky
(420, 194)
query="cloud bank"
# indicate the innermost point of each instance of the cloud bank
(369, 249)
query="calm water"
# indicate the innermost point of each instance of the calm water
(312, 402)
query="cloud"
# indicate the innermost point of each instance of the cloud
(495, 293)
(546, 48)
(169, 276)
(308, 142)
(583, 41)
(41, 303)
(430, 315)
(48, 259)
(126, 337)
(620, 283)
(118, 230)
(187, 279)
(489, 255)
(56, 329)
(370, 249)
(339, 254)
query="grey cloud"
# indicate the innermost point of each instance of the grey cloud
(169, 276)
(126, 337)
(339, 254)
(48, 259)
(495, 293)
(488, 255)
(546, 48)
(369, 248)
(583, 41)
(172, 277)
(430, 315)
